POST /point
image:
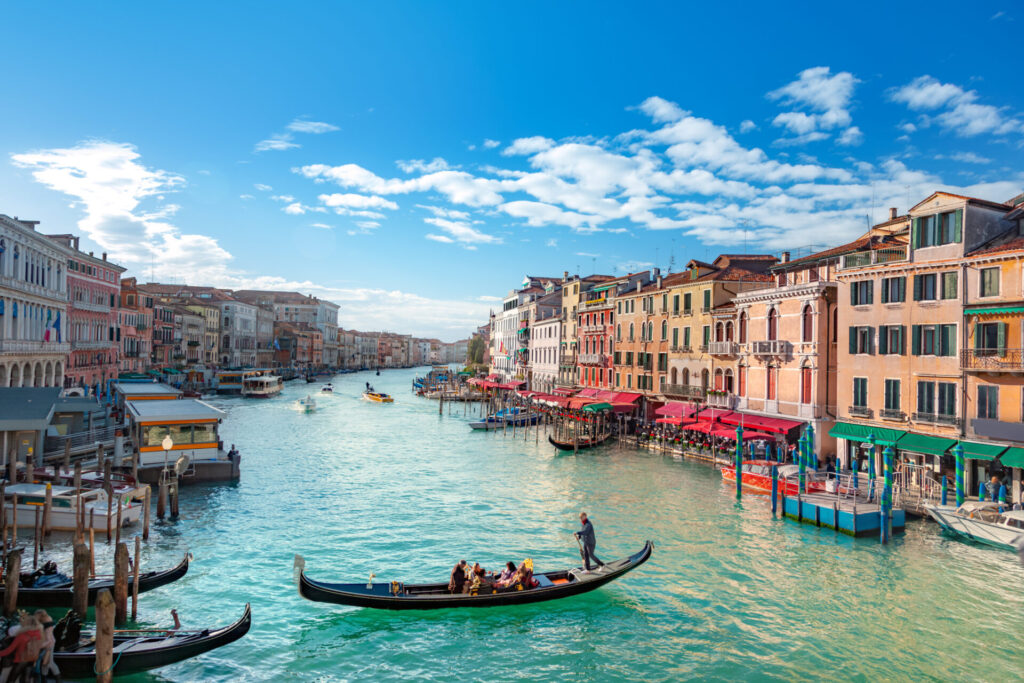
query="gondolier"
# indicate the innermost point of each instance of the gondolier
(588, 542)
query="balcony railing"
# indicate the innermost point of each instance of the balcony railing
(937, 418)
(860, 411)
(705, 309)
(721, 400)
(27, 346)
(91, 345)
(874, 257)
(89, 306)
(29, 288)
(773, 347)
(892, 413)
(592, 358)
(593, 303)
(992, 360)
(690, 391)
(724, 348)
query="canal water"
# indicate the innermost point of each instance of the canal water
(399, 491)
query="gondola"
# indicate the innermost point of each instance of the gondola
(553, 585)
(580, 444)
(60, 594)
(136, 651)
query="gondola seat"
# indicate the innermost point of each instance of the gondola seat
(543, 581)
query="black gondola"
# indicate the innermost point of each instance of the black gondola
(60, 595)
(136, 651)
(553, 585)
(580, 444)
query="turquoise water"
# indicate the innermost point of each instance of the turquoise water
(730, 593)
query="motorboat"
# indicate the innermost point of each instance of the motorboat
(512, 417)
(377, 397)
(306, 405)
(66, 504)
(327, 388)
(982, 521)
(262, 386)
(757, 474)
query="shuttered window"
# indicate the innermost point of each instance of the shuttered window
(772, 377)
(936, 230)
(805, 385)
(894, 290)
(742, 380)
(926, 397)
(949, 285)
(862, 293)
(892, 394)
(989, 282)
(925, 287)
(947, 399)
(988, 402)
(860, 392)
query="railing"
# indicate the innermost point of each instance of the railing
(724, 348)
(874, 257)
(721, 400)
(26, 346)
(687, 311)
(592, 358)
(693, 391)
(676, 313)
(773, 347)
(937, 418)
(91, 345)
(859, 411)
(55, 445)
(892, 413)
(29, 288)
(705, 309)
(992, 360)
(594, 303)
(89, 306)
(917, 486)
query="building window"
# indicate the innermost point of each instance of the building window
(860, 392)
(990, 339)
(989, 282)
(862, 293)
(892, 395)
(890, 339)
(772, 375)
(988, 402)
(675, 304)
(933, 340)
(926, 397)
(743, 328)
(741, 380)
(861, 340)
(686, 338)
(949, 285)
(773, 324)
(664, 330)
(707, 300)
(706, 336)
(933, 231)
(805, 385)
(925, 287)
(687, 303)
(675, 339)
(808, 324)
(894, 290)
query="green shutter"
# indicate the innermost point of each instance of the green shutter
(958, 226)
(902, 340)
(917, 288)
(853, 293)
(885, 291)
(853, 340)
(871, 292)
(883, 341)
(1001, 338)
(915, 233)
(871, 341)
(915, 340)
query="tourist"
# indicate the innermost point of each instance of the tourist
(47, 667)
(993, 488)
(458, 577)
(26, 647)
(479, 579)
(505, 578)
(589, 541)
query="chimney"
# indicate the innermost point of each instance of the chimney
(565, 275)
(90, 253)
(785, 257)
(892, 213)
(655, 273)
(104, 256)
(638, 285)
(76, 244)
(659, 281)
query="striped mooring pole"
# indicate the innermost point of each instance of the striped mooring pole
(887, 462)
(801, 456)
(775, 489)
(739, 460)
(871, 467)
(958, 453)
(812, 459)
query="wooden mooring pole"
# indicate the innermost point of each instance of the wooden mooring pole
(146, 506)
(121, 574)
(105, 618)
(11, 582)
(135, 577)
(80, 580)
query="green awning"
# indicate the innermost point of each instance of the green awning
(995, 309)
(1013, 457)
(466, 373)
(922, 443)
(603, 288)
(854, 432)
(597, 407)
(981, 451)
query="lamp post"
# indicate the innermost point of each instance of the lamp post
(167, 445)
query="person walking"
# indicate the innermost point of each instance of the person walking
(588, 542)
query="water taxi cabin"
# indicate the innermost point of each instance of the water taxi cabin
(192, 426)
(143, 391)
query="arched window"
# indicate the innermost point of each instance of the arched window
(728, 331)
(673, 375)
(743, 328)
(808, 323)
(686, 376)
(602, 344)
(728, 381)
(741, 381)
(631, 332)
(705, 378)
(650, 331)
(664, 330)
(773, 324)
(772, 374)
(719, 332)
(618, 332)
(719, 379)
(805, 385)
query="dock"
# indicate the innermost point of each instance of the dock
(847, 516)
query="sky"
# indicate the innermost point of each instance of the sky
(414, 161)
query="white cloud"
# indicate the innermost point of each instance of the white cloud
(587, 254)
(747, 126)
(661, 110)
(421, 166)
(298, 209)
(826, 96)
(313, 127)
(439, 238)
(958, 110)
(357, 201)
(442, 212)
(322, 226)
(969, 158)
(461, 232)
(528, 146)
(491, 144)
(551, 243)
(263, 188)
(850, 137)
(245, 196)
(283, 198)
(276, 143)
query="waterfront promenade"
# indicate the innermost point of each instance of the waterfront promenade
(398, 490)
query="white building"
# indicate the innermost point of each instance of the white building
(237, 333)
(34, 343)
(545, 351)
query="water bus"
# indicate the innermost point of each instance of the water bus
(262, 386)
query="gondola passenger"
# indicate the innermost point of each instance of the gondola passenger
(26, 647)
(47, 667)
(505, 578)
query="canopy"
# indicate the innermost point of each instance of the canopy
(677, 409)
(981, 451)
(669, 420)
(494, 376)
(713, 414)
(729, 433)
(623, 407)
(922, 443)
(465, 373)
(777, 425)
(1013, 457)
(589, 393)
(704, 427)
(995, 309)
(565, 392)
(854, 432)
(597, 407)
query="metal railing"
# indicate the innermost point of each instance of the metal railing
(771, 347)
(693, 391)
(687, 311)
(29, 288)
(721, 400)
(992, 360)
(892, 413)
(874, 257)
(859, 411)
(937, 418)
(55, 445)
(89, 306)
(27, 346)
(724, 348)
(592, 358)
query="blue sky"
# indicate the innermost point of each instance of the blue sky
(412, 161)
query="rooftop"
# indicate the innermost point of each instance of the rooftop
(185, 409)
(129, 389)
(26, 407)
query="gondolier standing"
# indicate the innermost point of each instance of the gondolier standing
(588, 542)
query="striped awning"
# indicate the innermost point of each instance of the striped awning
(993, 310)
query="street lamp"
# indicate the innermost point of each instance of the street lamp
(167, 445)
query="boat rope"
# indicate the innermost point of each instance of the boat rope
(104, 673)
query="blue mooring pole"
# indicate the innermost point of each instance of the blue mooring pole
(958, 453)
(775, 489)
(1002, 497)
(871, 468)
(944, 492)
(739, 461)
(887, 456)
(801, 456)
(812, 455)
(981, 491)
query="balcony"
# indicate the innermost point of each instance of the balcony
(724, 348)
(91, 345)
(11, 346)
(88, 306)
(892, 414)
(773, 347)
(693, 392)
(874, 257)
(719, 399)
(860, 411)
(705, 309)
(687, 311)
(592, 358)
(992, 360)
(594, 303)
(937, 418)
(29, 288)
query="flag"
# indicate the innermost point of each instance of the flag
(56, 326)
(49, 326)
(277, 344)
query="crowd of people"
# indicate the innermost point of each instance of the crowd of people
(471, 580)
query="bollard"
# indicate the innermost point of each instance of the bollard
(944, 492)
(174, 498)
(48, 510)
(161, 499)
(981, 491)
(78, 475)
(80, 580)
(958, 454)
(11, 583)
(121, 584)
(104, 637)
(30, 471)
(117, 532)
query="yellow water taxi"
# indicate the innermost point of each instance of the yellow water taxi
(377, 397)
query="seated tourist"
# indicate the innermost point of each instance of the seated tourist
(479, 580)
(506, 575)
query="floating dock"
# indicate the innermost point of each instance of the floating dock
(854, 518)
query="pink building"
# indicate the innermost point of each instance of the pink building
(94, 294)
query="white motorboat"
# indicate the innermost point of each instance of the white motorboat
(306, 405)
(65, 506)
(327, 389)
(981, 521)
(263, 386)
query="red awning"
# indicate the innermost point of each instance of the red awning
(776, 425)
(589, 393)
(713, 415)
(623, 397)
(730, 433)
(578, 402)
(669, 420)
(493, 377)
(677, 409)
(704, 427)
(565, 392)
(623, 407)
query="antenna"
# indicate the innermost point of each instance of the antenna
(672, 256)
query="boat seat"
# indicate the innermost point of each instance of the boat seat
(543, 581)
